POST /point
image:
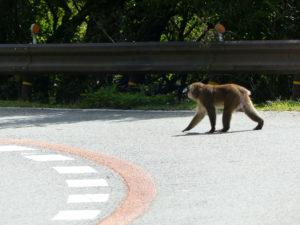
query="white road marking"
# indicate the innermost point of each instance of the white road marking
(87, 183)
(28, 153)
(75, 169)
(48, 158)
(86, 198)
(15, 148)
(68, 215)
(76, 215)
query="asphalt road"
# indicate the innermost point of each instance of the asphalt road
(242, 177)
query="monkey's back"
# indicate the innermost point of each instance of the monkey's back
(226, 92)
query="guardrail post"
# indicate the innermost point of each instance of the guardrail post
(27, 79)
(134, 81)
(26, 88)
(296, 87)
(221, 30)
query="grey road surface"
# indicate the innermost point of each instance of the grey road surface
(37, 187)
(242, 177)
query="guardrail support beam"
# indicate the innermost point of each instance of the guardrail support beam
(272, 57)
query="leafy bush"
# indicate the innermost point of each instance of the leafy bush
(109, 97)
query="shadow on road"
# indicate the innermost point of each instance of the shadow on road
(28, 117)
(216, 133)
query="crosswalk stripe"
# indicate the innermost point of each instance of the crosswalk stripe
(15, 148)
(76, 215)
(48, 158)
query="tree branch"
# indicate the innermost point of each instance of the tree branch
(102, 28)
(55, 18)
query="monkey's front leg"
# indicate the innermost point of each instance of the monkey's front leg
(199, 115)
(211, 111)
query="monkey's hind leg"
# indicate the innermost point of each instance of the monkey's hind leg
(226, 120)
(252, 113)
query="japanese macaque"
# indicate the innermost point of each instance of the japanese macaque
(229, 96)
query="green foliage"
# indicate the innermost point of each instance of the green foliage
(76, 21)
(9, 87)
(147, 20)
(18, 103)
(68, 88)
(109, 97)
(277, 105)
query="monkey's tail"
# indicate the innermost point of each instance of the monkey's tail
(251, 112)
(244, 91)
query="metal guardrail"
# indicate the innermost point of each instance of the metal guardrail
(281, 57)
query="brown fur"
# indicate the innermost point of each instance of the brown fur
(229, 96)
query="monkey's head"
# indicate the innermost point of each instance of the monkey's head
(195, 90)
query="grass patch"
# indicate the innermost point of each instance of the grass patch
(111, 98)
(19, 103)
(280, 105)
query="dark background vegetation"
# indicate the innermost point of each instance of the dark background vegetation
(76, 21)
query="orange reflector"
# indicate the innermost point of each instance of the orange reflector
(220, 28)
(35, 28)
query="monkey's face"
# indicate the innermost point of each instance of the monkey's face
(194, 91)
(190, 95)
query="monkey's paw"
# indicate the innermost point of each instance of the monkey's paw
(211, 131)
(223, 130)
